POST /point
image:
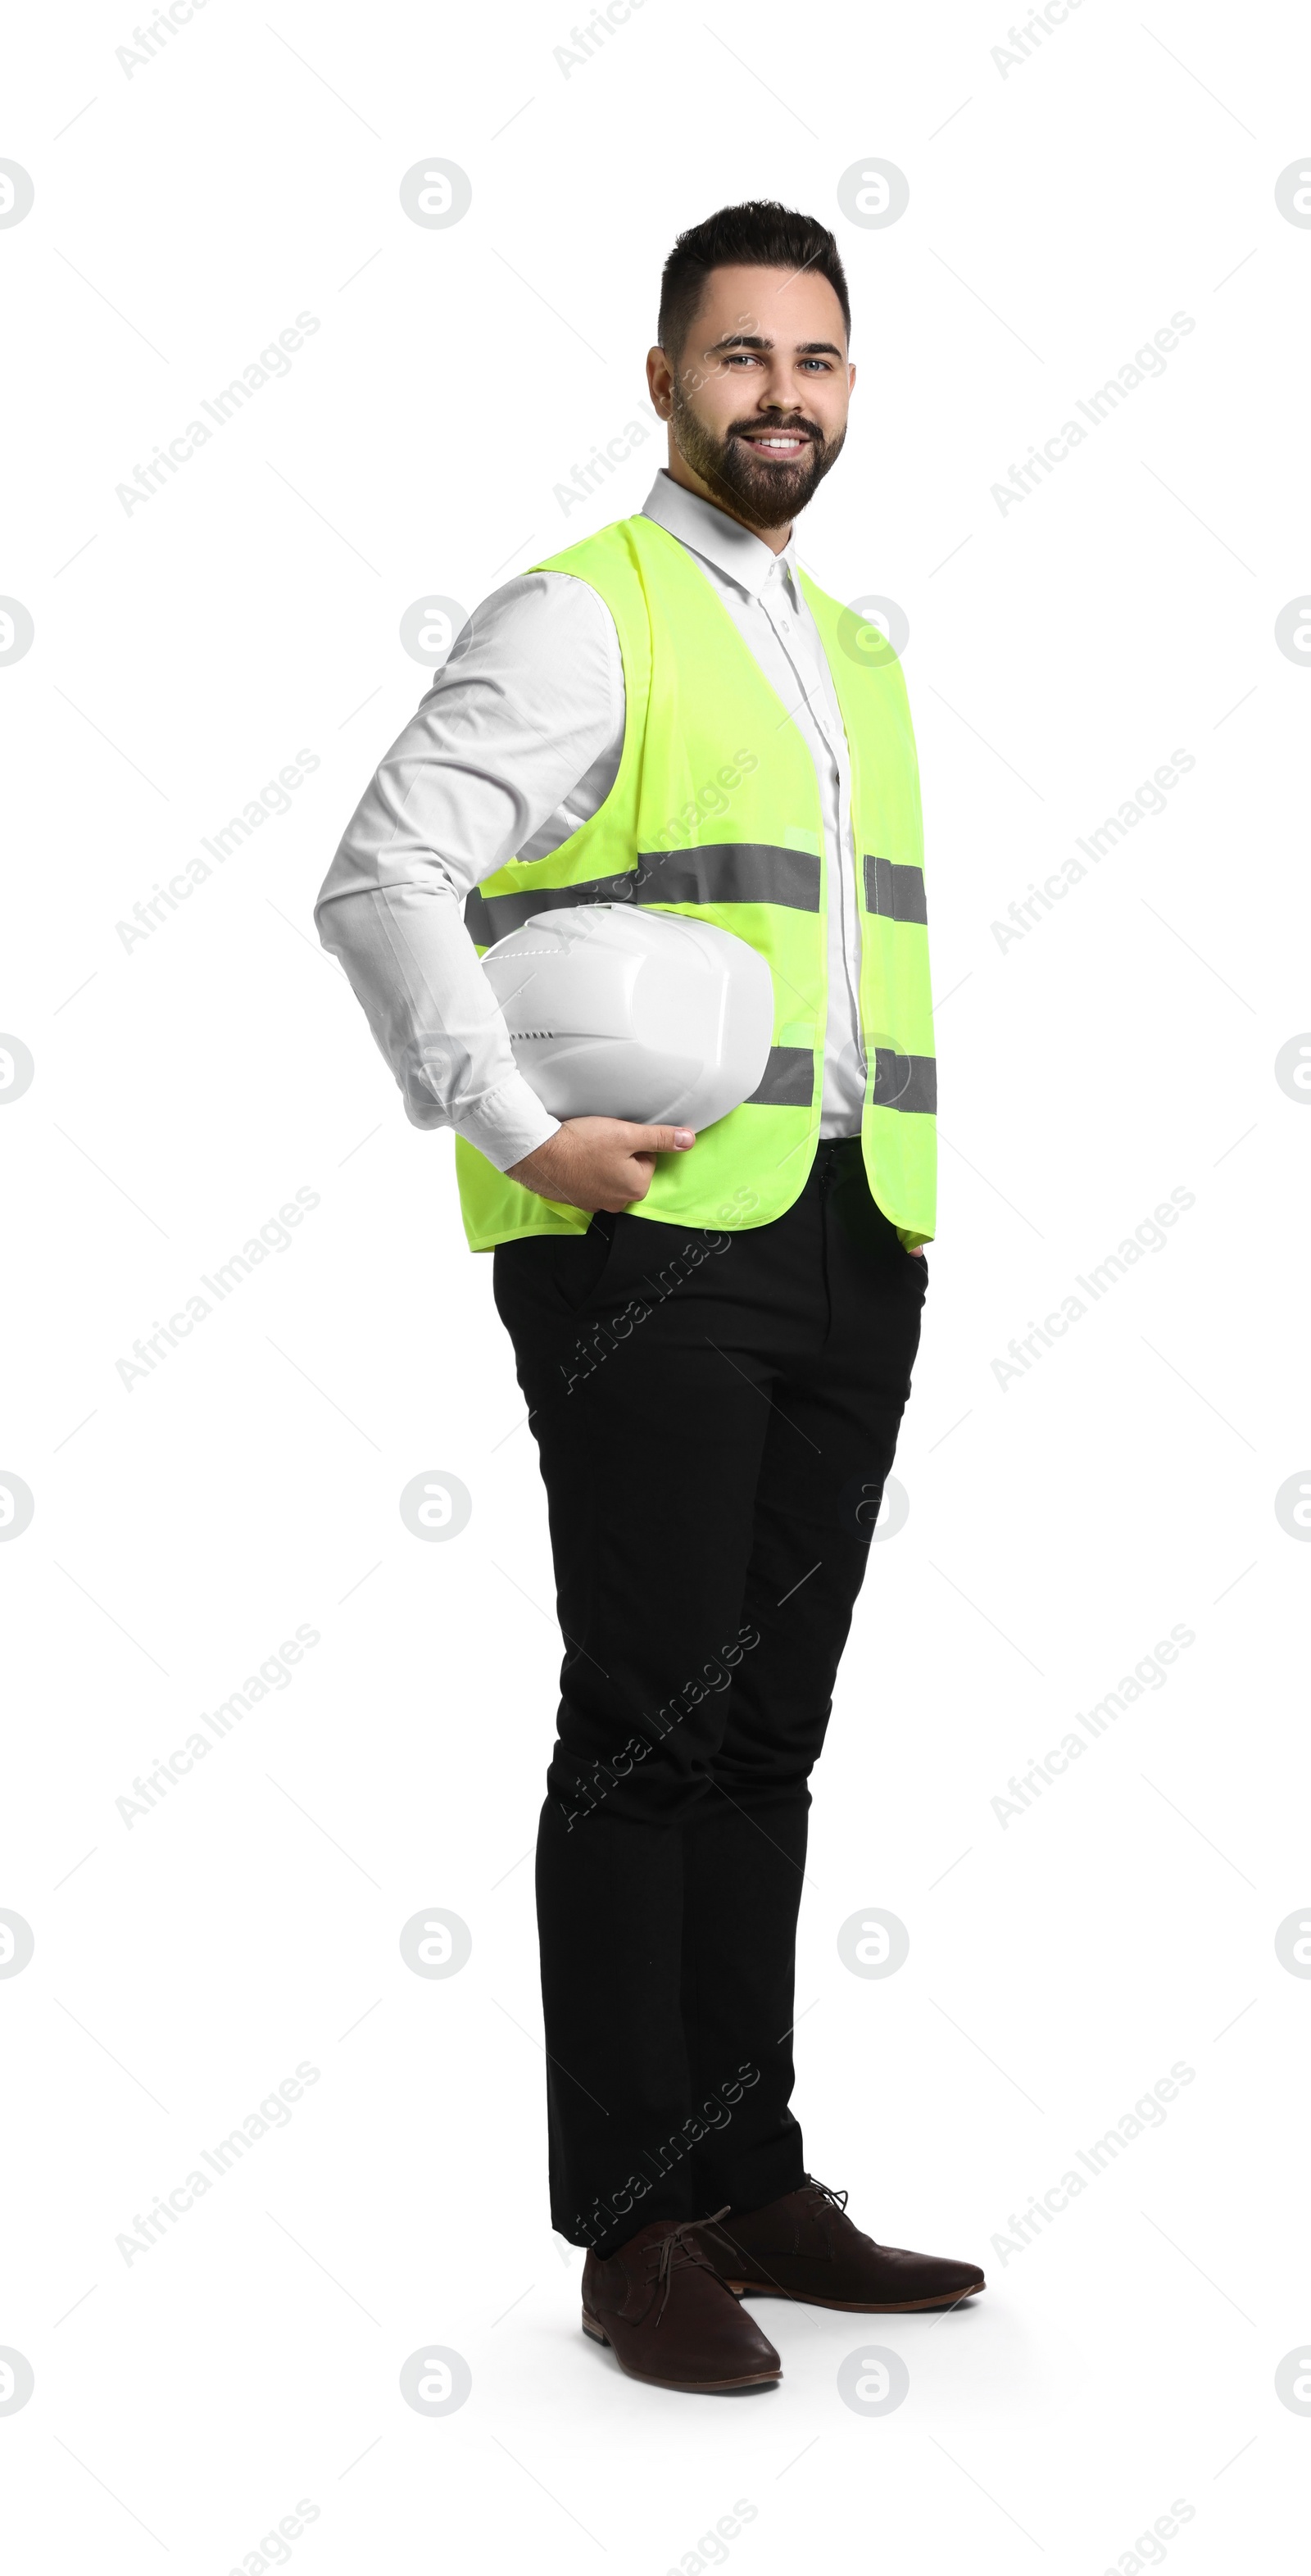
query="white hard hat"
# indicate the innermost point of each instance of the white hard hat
(619, 1012)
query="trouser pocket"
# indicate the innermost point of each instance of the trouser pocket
(559, 1273)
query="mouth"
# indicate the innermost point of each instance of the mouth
(781, 445)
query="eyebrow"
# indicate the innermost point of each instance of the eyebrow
(755, 340)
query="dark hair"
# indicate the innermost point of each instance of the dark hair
(759, 234)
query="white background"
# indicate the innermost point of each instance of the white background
(1060, 211)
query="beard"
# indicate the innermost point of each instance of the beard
(767, 494)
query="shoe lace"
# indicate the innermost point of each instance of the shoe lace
(820, 2193)
(823, 2201)
(666, 2253)
(820, 2199)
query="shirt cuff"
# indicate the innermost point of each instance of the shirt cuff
(506, 1123)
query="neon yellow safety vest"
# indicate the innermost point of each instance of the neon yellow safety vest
(715, 813)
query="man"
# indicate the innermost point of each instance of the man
(714, 1334)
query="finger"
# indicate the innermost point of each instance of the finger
(659, 1140)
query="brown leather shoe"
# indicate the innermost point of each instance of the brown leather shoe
(669, 2318)
(805, 2247)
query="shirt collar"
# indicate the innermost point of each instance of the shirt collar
(709, 531)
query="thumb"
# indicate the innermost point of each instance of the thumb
(660, 1140)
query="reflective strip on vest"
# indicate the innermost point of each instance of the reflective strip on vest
(895, 891)
(721, 872)
(489, 917)
(731, 872)
(788, 1081)
(905, 1081)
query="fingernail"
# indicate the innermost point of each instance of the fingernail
(684, 1136)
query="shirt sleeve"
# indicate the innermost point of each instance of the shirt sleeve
(515, 745)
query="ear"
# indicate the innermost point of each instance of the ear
(660, 382)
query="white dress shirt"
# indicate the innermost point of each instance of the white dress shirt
(516, 744)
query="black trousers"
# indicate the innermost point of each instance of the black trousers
(715, 1416)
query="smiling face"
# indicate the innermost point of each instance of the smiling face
(756, 399)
